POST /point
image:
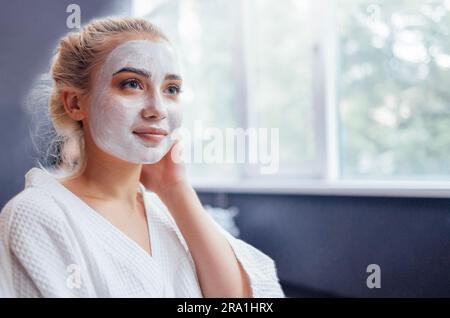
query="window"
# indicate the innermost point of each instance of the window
(357, 88)
(394, 96)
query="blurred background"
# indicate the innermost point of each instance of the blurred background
(360, 92)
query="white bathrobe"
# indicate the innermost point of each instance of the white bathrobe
(52, 244)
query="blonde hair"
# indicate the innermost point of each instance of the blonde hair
(77, 54)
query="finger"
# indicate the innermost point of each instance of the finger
(176, 151)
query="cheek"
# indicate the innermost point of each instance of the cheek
(115, 110)
(175, 115)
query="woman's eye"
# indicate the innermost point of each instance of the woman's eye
(132, 83)
(172, 90)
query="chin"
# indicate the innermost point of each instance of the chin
(152, 160)
(155, 155)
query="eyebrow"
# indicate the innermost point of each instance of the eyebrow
(133, 70)
(173, 77)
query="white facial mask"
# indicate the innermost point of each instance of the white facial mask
(114, 116)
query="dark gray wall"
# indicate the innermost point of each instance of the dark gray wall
(29, 31)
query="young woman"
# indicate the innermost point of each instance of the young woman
(123, 221)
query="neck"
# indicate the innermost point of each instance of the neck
(109, 178)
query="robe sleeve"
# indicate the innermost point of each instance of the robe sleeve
(37, 250)
(259, 267)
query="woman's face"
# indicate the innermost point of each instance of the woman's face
(134, 107)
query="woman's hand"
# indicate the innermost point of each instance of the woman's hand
(167, 174)
(219, 272)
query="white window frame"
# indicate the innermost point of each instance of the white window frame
(323, 176)
(311, 170)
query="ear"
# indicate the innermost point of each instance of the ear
(73, 104)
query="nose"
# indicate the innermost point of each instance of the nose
(154, 109)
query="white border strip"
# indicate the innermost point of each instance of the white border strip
(413, 189)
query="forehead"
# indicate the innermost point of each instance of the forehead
(153, 56)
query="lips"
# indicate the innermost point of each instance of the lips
(151, 134)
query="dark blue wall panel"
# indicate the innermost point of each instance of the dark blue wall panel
(325, 243)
